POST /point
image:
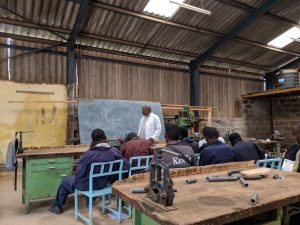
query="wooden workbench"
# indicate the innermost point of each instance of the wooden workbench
(212, 203)
(44, 168)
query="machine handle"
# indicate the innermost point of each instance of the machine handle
(52, 167)
(63, 175)
(52, 161)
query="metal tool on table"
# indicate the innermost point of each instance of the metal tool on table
(254, 198)
(138, 190)
(191, 181)
(19, 149)
(160, 188)
(277, 176)
(242, 179)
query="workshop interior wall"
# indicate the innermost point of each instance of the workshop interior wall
(47, 120)
(128, 81)
(286, 114)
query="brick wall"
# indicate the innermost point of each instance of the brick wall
(286, 114)
(257, 117)
(254, 123)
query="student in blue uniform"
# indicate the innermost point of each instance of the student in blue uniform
(292, 152)
(99, 151)
(245, 150)
(188, 141)
(216, 152)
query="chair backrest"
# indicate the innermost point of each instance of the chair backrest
(105, 169)
(142, 162)
(197, 158)
(297, 162)
(271, 163)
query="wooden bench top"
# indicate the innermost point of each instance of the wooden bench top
(54, 151)
(213, 203)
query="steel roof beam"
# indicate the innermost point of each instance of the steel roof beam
(183, 26)
(195, 64)
(71, 61)
(250, 9)
(130, 43)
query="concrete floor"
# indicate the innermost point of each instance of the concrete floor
(12, 209)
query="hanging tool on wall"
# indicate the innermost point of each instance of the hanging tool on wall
(19, 149)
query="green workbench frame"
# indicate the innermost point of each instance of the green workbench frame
(139, 218)
(41, 177)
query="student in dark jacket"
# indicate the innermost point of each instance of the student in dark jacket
(216, 152)
(172, 136)
(292, 152)
(136, 146)
(245, 150)
(188, 141)
(99, 151)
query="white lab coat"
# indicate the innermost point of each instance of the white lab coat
(153, 127)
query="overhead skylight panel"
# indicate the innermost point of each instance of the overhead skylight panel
(162, 7)
(286, 38)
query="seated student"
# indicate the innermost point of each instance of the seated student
(203, 143)
(216, 152)
(136, 146)
(99, 151)
(172, 136)
(245, 150)
(188, 141)
(292, 152)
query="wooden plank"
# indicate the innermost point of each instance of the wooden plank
(256, 172)
(273, 93)
(54, 151)
(213, 203)
(209, 117)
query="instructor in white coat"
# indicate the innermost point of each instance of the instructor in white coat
(150, 126)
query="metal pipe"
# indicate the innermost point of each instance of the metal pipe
(254, 198)
(243, 182)
(142, 190)
(252, 177)
(230, 172)
(221, 179)
(191, 181)
(137, 190)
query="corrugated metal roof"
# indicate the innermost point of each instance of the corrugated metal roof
(148, 36)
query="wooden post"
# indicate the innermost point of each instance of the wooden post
(209, 116)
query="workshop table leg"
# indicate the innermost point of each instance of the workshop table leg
(27, 209)
(285, 216)
(139, 218)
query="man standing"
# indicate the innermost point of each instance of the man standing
(245, 150)
(216, 152)
(99, 152)
(187, 155)
(292, 152)
(150, 126)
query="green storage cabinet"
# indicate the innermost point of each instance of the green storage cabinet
(42, 176)
(139, 218)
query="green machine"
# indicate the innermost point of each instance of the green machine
(186, 118)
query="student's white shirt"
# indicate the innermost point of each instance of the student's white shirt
(152, 129)
(203, 141)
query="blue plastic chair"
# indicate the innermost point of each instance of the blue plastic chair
(270, 163)
(105, 169)
(139, 160)
(197, 158)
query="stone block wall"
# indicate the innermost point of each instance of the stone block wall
(254, 123)
(257, 117)
(286, 114)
